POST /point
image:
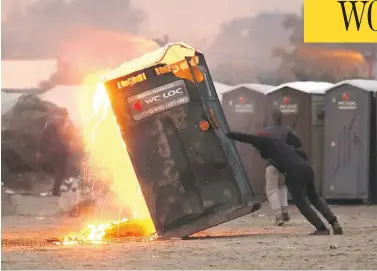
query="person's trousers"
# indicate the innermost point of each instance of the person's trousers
(276, 191)
(301, 185)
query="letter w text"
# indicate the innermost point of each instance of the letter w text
(354, 12)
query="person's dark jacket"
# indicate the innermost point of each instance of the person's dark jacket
(302, 154)
(283, 157)
(284, 134)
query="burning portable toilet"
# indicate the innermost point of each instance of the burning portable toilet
(244, 108)
(169, 116)
(350, 141)
(302, 105)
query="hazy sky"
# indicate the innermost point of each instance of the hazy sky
(196, 20)
(203, 18)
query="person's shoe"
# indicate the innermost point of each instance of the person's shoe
(286, 217)
(284, 211)
(337, 229)
(279, 220)
(321, 232)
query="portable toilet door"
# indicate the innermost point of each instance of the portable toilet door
(169, 117)
(348, 140)
(302, 105)
(244, 108)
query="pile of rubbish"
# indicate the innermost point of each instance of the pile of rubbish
(21, 130)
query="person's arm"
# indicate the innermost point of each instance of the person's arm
(293, 139)
(257, 141)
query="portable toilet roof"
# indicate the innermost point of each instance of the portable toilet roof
(257, 87)
(311, 87)
(369, 85)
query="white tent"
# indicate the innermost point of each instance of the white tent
(26, 74)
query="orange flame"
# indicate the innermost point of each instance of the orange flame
(97, 234)
(109, 154)
(316, 52)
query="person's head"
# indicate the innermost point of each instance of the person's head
(277, 117)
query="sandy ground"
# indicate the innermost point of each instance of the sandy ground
(250, 242)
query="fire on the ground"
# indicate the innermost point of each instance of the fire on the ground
(107, 149)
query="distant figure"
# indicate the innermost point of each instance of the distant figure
(53, 154)
(276, 190)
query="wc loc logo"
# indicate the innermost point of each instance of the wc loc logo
(287, 106)
(158, 99)
(346, 104)
(165, 95)
(350, 21)
(243, 105)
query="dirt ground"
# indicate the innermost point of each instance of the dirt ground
(250, 242)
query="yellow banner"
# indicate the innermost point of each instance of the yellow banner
(328, 21)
